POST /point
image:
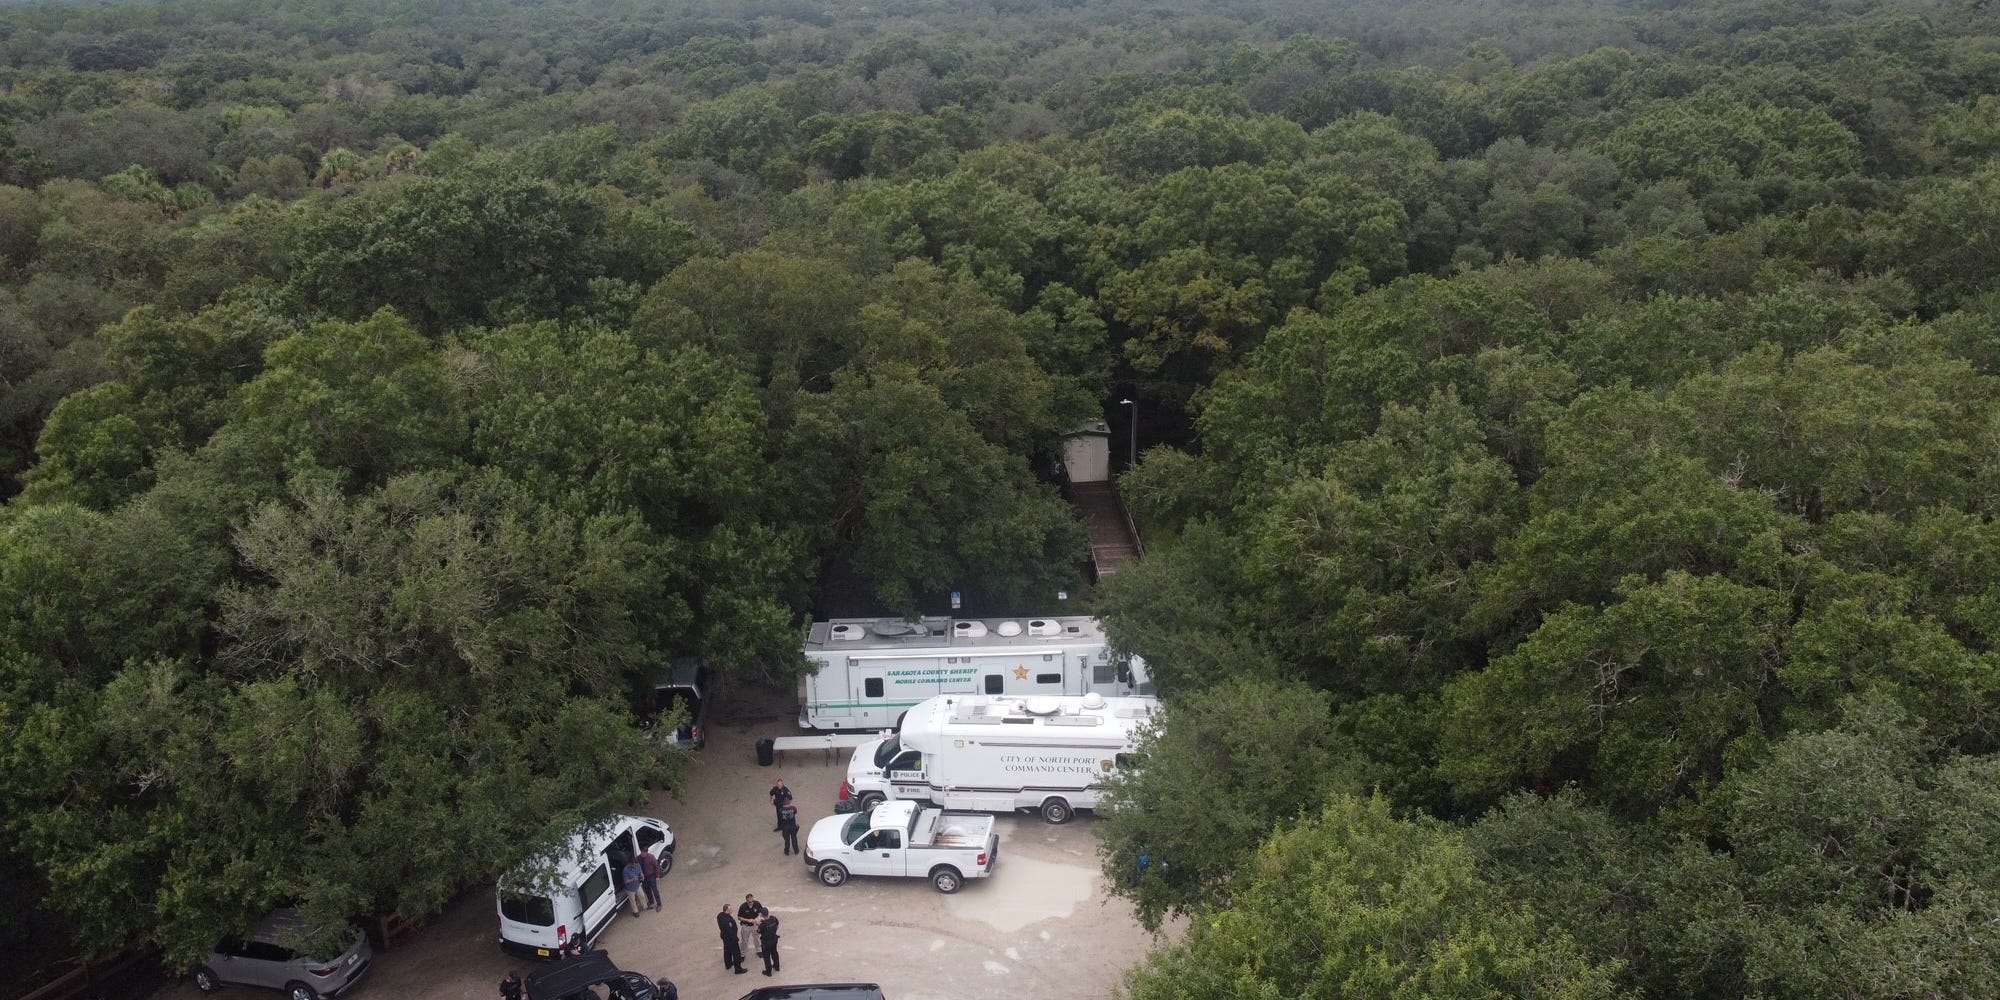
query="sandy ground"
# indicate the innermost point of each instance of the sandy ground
(1042, 926)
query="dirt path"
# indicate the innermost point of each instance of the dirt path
(1041, 927)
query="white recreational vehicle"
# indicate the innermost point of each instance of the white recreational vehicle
(868, 672)
(1000, 754)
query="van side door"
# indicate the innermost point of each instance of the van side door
(596, 895)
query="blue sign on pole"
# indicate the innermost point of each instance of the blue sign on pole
(956, 600)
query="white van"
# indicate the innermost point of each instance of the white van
(546, 900)
(1001, 754)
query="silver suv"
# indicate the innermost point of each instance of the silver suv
(266, 957)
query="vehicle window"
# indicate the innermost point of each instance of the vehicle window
(1103, 673)
(910, 761)
(866, 843)
(1129, 760)
(265, 951)
(623, 848)
(537, 910)
(995, 684)
(229, 946)
(650, 838)
(1048, 678)
(889, 840)
(594, 886)
(872, 687)
(886, 752)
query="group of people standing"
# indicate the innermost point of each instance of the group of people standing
(788, 816)
(751, 926)
(747, 927)
(641, 875)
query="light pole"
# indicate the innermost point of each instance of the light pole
(1132, 449)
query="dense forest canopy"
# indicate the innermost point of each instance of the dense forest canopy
(1570, 451)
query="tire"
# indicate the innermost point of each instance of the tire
(868, 800)
(300, 991)
(1057, 811)
(832, 874)
(946, 879)
(205, 981)
(666, 859)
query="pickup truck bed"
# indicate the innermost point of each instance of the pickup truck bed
(949, 829)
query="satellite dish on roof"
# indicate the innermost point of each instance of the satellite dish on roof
(894, 627)
(1093, 701)
(1041, 706)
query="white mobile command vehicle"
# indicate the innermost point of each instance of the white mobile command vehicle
(868, 672)
(1000, 754)
(537, 918)
(903, 838)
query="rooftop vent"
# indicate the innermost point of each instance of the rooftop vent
(970, 630)
(1008, 629)
(1043, 626)
(846, 633)
(1093, 701)
(1041, 706)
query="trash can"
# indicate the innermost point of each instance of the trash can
(767, 751)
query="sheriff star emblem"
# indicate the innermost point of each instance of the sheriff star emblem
(1020, 673)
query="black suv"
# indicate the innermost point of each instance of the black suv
(684, 686)
(572, 979)
(818, 991)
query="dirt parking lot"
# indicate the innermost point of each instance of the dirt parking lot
(1041, 927)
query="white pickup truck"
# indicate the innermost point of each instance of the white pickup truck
(903, 838)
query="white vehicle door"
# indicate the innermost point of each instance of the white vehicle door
(871, 702)
(905, 776)
(879, 852)
(828, 699)
(597, 897)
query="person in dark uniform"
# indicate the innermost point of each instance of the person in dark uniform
(746, 918)
(510, 987)
(732, 951)
(767, 935)
(788, 824)
(780, 798)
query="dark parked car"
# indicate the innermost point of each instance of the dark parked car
(576, 979)
(267, 957)
(818, 991)
(685, 686)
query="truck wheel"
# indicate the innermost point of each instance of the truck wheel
(832, 873)
(1057, 811)
(205, 981)
(947, 880)
(869, 800)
